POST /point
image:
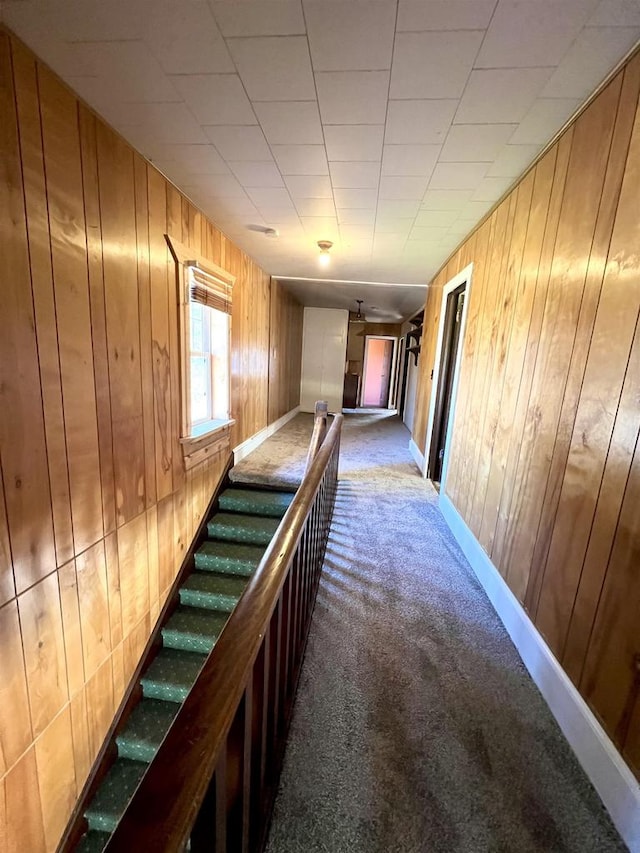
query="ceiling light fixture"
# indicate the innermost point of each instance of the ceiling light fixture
(324, 258)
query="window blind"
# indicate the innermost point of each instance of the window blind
(208, 290)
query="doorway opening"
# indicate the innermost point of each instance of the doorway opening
(445, 375)
(378, 373)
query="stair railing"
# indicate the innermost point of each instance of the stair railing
(212, 783)
(319, 431)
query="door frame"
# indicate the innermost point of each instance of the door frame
(392, 365)
(463, 277)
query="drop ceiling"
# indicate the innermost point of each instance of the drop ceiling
(387, 127)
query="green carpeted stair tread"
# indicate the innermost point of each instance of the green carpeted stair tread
(255, 502)
(250, 529)
(215, 592)
(113, 795)
(228, 558)
(193, 629)
(93, 842)
(172, 674)
(145, 729)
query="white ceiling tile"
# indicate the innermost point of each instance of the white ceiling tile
(240, 206)
(355, 175)
(239, 143)
(185, 38)
(285, 214)
(616, 13)
(409, 159)
(427, 234)
(315, 207)
(183, 176)
(170, 123)
(268, 197)
(257, 174)
(356, 217)
(274, 69)
(457, 176)
(360, 198)
(473, 211)
(445, 199)
(309, 186)
(543, 120)
(587, 63)
(128, 70)
(259, 17)
(301, 159)
(221, 186)
(402, 188)
(468, 143)
(290, 122)
(502, 95)
(441, 218)
(215, 98)
(353, 97)
(397, 208)
(356, 232)
(354, 141)
(78, 20)
(513, 160)
(525, 34)
(419, 122)
(321, 227)
(200, 159)
(354, 36)
(393, 225)
(433, 65)
(416, 15)
(491, 189)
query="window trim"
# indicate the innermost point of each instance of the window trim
(207, 438)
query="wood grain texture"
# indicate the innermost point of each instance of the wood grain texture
(96, 509)
(544, 462)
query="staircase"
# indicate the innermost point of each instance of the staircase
(238, 534)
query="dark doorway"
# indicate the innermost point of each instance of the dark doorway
(450, 345)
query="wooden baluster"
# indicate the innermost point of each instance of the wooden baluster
(239, 776)
(259, 719)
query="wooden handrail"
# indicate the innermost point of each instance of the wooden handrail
(319, 431)
(211, 780)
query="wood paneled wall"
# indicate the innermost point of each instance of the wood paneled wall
(95, 507)
(545, 460)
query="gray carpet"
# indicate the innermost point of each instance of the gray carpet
(416, 726)
(280, 460)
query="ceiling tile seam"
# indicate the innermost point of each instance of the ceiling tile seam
(386, 118)
(473, 64)
(259, 123)
(322, 123)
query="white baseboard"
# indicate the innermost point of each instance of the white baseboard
(603, 764)
(418, 458)
(256, 440)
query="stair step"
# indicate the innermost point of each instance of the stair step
(250, 529)
(255, 502)
(113, 795)
(228, 558)
(171, 675)
(213, 592)
(193, 630)
(145, 729)
(93, 842)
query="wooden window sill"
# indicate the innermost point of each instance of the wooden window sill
(197, 448)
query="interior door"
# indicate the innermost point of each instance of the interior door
(450, 345)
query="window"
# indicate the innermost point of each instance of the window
(209, 313)
(204, 292)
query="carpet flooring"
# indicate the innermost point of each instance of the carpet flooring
(416, 726)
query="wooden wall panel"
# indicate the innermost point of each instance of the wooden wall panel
(96, 509)
(544, 463)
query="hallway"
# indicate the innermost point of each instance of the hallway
(416, 726)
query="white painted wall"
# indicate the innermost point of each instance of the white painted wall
(324, 352)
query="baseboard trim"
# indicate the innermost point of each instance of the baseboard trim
(418, 458)
(256, 440)
(603, 764)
